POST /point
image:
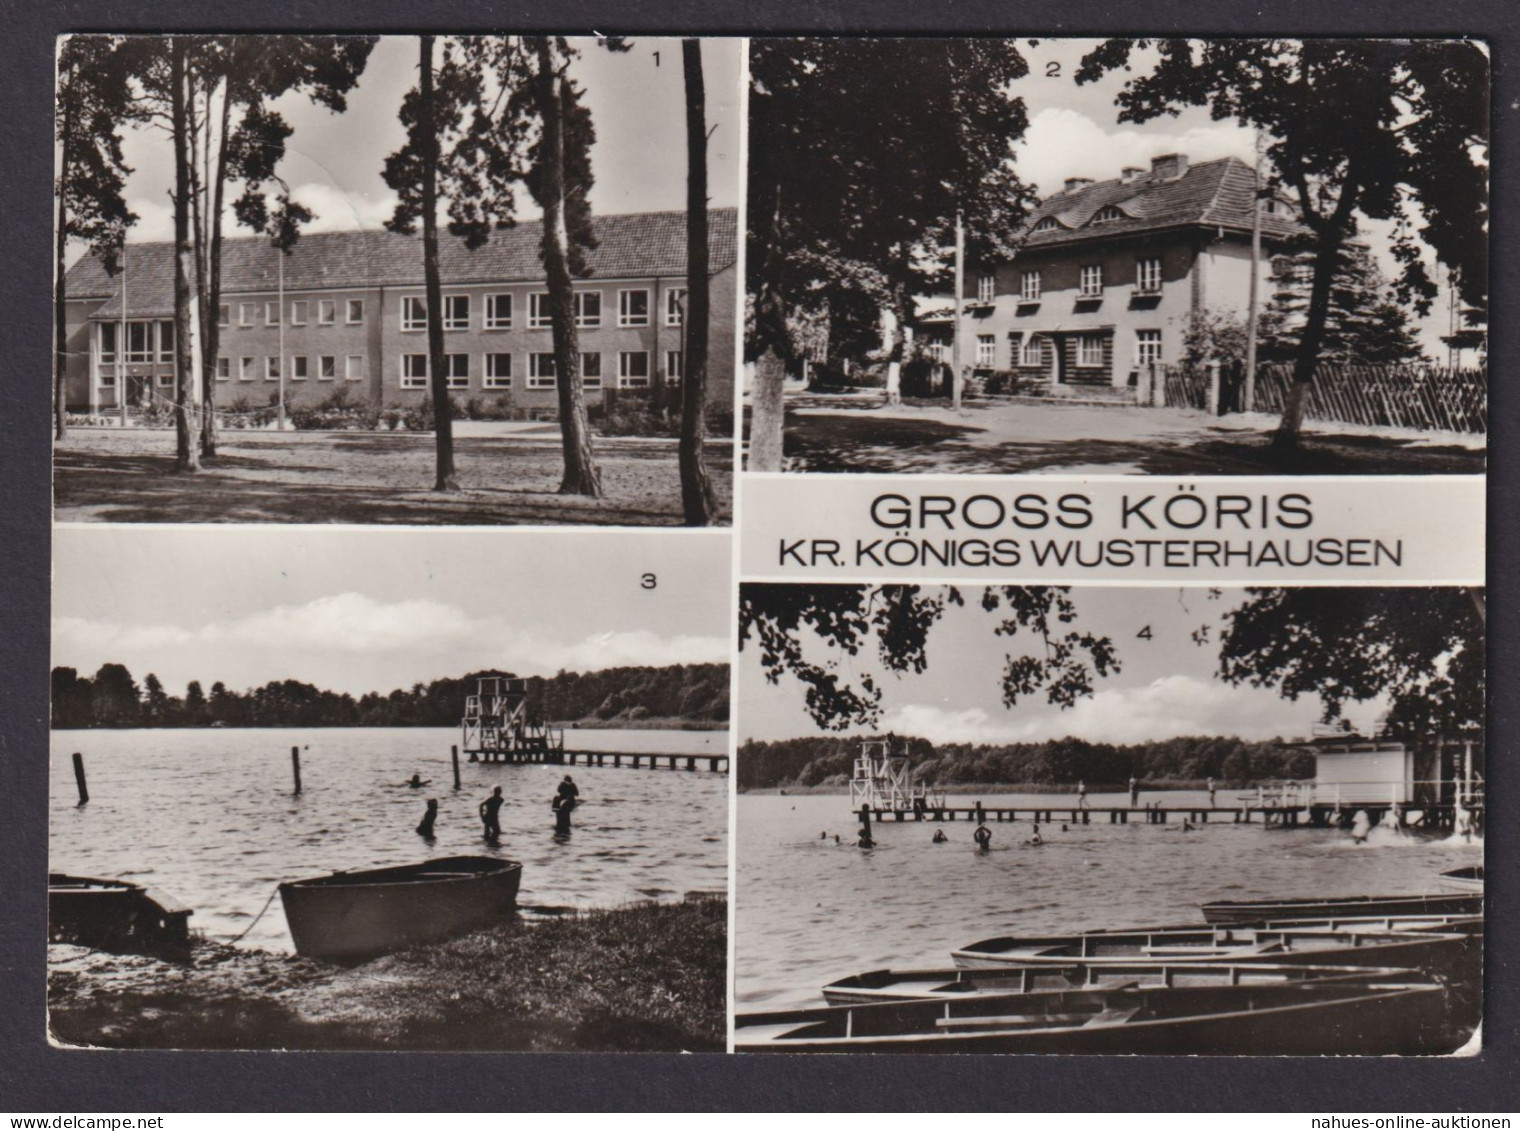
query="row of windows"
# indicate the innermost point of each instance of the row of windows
(497, 370)
(300, 312)
(324, 367)
(1031, 351)
(496, 313)
(1147, 281)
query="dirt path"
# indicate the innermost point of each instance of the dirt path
(996, 438)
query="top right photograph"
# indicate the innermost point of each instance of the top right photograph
(1117, 256)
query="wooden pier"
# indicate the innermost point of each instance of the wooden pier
(552, 756)
(1441, 817)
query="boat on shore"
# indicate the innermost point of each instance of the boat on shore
(1442, 954)
(1262, 910)
(1406, 1015)
(1464, 879)
(910, 985)
(117, 916)
(352, 916)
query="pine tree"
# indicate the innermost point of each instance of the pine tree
(1364, 325)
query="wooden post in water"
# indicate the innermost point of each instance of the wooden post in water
(84, 791)
(454, 757)
(295, 765)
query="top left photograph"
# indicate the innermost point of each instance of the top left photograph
(457, 280)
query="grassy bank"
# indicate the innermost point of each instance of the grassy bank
(644, 978)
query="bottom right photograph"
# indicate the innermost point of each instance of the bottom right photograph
(1112, 820)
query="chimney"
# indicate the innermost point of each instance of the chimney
(1075, 183)
(1131, 173)
(1169, 166)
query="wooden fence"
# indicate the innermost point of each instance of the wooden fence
(1421, 398)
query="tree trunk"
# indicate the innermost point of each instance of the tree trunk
(1306, 360)
(443, 423)
(581, 476)
(698, 501)
(212, 286)
(899, 343)
(60, 299)
(767, 423)
(186, 301)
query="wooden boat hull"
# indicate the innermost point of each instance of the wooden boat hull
(1255, 911)
(1464, 879)
(352, 916)
(952, 982)
(1291, 1019)
(1445, 955)
(116, 916)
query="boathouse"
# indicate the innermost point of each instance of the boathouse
(1355, 768)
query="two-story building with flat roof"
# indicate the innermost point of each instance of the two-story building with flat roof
(350, 310)
(1107, 274)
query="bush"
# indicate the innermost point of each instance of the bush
(335, 414)
(1009, 383)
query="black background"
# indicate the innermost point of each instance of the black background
(37, 1078)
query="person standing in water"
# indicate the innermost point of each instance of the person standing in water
(425, 829)
(939, 837)
(983, 838)
(490, 813)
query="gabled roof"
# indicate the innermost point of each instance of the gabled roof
(631, 245)
(1213, 194)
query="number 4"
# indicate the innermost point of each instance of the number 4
(1144, 633)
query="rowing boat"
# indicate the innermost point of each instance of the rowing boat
(1309, 1018)
(1260, 910)
(1432, 952)
(1464, 879)
(115, 915)
(908, 985)
(350, 916)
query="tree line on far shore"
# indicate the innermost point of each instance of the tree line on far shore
(829, 760)
(690, 693)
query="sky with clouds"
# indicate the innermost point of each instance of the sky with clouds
(361, 610)
(1166, 688)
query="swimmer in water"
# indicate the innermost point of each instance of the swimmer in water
(864, 840)
(983, 838)
(1035, 840)
(837, 840)
(425, 829)
(939, 837)
(1360, 827)
(416, 782)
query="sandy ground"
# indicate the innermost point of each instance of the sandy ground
(507, 477)
(862, 434)
(648, 977)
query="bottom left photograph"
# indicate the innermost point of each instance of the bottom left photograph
(389, 789)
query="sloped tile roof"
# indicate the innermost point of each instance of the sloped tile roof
(1210, 194)
(631, 245)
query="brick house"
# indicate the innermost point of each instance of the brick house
(1107, 274)
(354, 317)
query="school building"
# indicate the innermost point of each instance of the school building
(347, 310)
(1107, 274)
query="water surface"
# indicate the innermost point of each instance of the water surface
(209, 816)
(808, 911)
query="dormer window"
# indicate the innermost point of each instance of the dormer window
(1107, 215)
(1046, 225)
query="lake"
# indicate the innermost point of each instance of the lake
(808, 911)
(208, 816)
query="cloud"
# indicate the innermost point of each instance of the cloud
(339, 211)
(351, 642)
(1062, 142)
(1165, 708)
